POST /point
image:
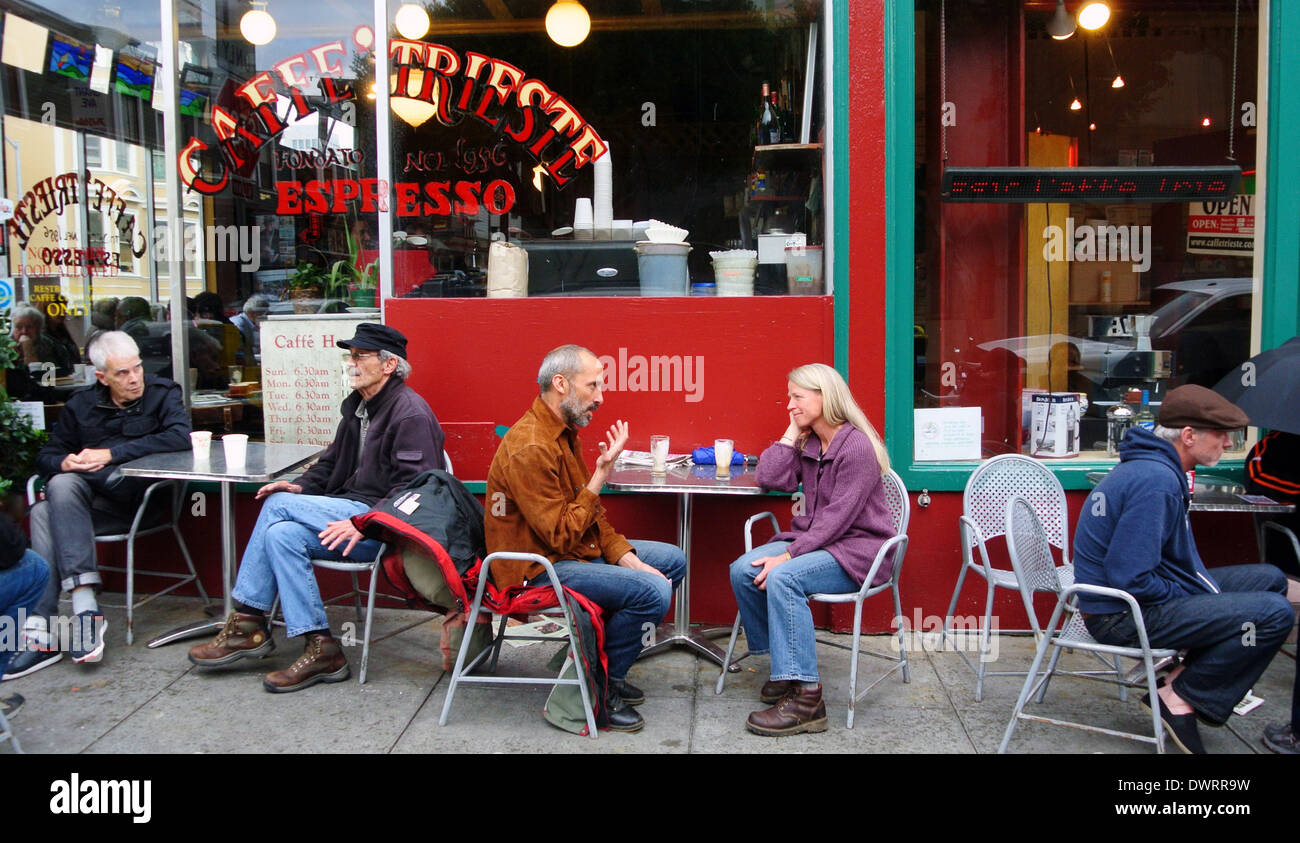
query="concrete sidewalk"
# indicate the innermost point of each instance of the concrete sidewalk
(139, 700)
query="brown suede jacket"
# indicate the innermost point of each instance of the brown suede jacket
(537, 500)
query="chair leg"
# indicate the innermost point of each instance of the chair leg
(952, 604)
(370, 621)
(902, 640)
(189, 563)
(1157, 724)
(985, 632)
(853, 665)
(1051, 670)
(356, 595)
(475, 608)
(726, 661)
(130, 591)
(497, 642)
(1044, 642)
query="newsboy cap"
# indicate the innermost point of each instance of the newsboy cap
(1196, 406)
(375, 337)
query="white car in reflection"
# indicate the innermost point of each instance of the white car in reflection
(1204, 328)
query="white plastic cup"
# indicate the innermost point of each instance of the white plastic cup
(201, 442)
(722, 449)
(236, 447)
(659, 454)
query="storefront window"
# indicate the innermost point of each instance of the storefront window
(567, 154)
(1086, 275)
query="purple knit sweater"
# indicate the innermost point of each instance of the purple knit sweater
(844, 500)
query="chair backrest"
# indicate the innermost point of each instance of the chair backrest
(900, 508)
(993, 484)
(1030, 552)
(446, 463)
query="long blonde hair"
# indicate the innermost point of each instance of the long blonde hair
(838, 405)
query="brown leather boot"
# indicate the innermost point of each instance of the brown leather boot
(242, 636)
(774, 689)
(322, 660)
(802, 710)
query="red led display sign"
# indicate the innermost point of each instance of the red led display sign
(1072, 184)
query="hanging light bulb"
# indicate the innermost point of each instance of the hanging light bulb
(1092, 127)
(412, 21)
(568, 23)
(406, 105)
(1117, 82)
(257, 26)
(1061, 26)
(1076, 105)
(1094, 15)
(1205, 121)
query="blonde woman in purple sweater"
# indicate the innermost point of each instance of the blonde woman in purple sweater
(833, 451)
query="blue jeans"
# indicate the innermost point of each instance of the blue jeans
(21, 588)
(279, 553)
(1230, 637)
(634, 601)
(777, 619)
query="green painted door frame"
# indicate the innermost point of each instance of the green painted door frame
(1281, 264)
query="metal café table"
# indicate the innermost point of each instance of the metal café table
(265, 462)
(686, 482)
(1215, 494)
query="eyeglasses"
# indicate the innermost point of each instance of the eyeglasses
(355, 357)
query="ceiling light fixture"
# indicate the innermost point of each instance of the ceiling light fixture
(412, 109)
(412, 21)
(568, 23)
(257, 26)
(1061, 26)
(1093, 16)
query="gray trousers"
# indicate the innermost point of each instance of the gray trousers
(63, 532)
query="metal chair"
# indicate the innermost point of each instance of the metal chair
(7, 734)
(136, 530)
(354, 568)
(1032, 561)
(984, 508)
(900, 511)
(460, 673)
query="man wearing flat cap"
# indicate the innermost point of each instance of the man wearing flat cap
(388, 436)
(1134, 534)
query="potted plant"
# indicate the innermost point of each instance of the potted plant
(20, 440)
(307, 282)
(351, 278)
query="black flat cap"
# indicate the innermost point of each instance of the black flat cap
(1196, 406)
(375, 337)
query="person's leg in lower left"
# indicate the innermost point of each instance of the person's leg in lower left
(21, 587)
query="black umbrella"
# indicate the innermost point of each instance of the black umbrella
(1267, 387)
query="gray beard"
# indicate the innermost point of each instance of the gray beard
(575, 416)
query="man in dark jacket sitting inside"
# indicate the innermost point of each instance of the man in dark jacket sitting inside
(387, 437)
(126, 415)
(1134, 535)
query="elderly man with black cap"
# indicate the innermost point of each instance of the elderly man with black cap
(1134, 535)
(388, 436)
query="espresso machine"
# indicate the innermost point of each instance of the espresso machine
(1118, 357)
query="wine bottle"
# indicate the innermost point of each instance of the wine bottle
(767, 121)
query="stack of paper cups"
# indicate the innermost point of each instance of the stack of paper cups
(603, 192)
